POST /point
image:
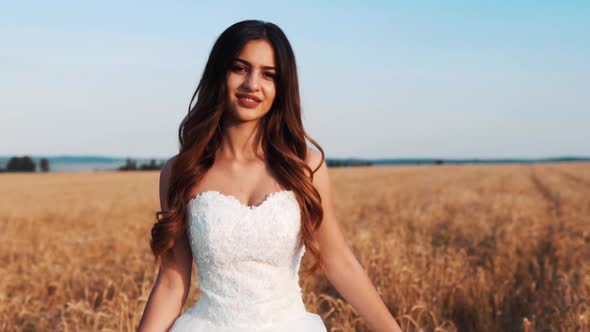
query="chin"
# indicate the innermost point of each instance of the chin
(247, 114)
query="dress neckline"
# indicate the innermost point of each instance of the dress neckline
(266, 198)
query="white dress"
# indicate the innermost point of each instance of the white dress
(247, 260)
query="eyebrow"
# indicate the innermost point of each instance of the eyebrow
(250, 65)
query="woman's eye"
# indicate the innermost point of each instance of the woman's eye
(271, 75)
(238, 68)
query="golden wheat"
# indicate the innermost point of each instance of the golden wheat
(449, 248)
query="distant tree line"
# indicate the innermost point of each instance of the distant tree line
(357, 162)
(341, 163)
(131, 165)
(25, 164)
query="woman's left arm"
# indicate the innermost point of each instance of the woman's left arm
(341, 266)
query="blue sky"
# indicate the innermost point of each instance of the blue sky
(386, 79)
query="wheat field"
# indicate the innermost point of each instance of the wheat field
(449, 247)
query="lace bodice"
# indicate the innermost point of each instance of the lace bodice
(247, 258)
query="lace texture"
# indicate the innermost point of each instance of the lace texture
(248, 259)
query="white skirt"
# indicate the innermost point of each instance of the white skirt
(189, 322)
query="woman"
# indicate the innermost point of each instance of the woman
(245, 197)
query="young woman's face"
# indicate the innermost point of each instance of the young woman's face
(251, 81)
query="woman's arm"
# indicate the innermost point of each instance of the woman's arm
(172, 285)
(341, 266)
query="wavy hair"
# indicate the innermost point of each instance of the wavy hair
(283, 138)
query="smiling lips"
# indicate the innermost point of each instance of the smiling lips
(247, 100)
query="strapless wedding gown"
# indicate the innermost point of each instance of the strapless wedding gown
(247, 261)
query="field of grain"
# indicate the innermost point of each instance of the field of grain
(449, 247)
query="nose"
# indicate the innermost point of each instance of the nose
(252, 81)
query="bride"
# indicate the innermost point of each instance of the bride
(245, 198)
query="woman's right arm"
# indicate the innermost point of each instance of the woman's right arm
(172, 284)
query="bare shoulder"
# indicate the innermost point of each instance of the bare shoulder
(167, 167)
(165, 174)
(320, 178)
(314, 159)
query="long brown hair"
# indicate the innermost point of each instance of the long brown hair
(283, 139)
